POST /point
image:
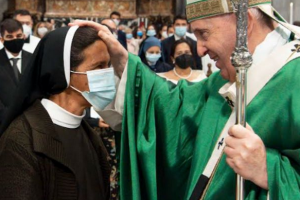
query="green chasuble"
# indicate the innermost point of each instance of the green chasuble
(169, 133)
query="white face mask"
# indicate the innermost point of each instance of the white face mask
(102, 87)
(115, 35)
(117, 21)
(27, 30)
(164, 34)
(153, 57)
(42, 31)
(151, 33)
(180, 31)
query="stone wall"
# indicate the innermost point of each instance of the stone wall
(3, 7)
(102, 8)
(90, 8)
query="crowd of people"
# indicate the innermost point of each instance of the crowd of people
(106, 111)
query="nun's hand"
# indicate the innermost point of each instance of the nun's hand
(118, 54)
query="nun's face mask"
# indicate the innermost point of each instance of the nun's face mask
(95, 74)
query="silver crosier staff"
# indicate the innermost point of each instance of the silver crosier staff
(241, 59)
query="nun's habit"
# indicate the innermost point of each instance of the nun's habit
(47, 152)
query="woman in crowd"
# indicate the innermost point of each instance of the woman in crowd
(151, 31)
(183, 60)
(163, 32)
(41, 29)
(151, 55)
(139, 33)
(48, 151)
(170, 30)
(133, 45)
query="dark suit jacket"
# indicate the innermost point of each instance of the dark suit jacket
(34, 164)
(8, 81)
(122, 39)
(167, 45)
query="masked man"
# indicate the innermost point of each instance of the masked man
(13, 61)
(180, 25)
(31, 41)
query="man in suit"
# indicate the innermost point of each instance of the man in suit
(24, 17)
(180, 25)
(116, 18)
(13, 61)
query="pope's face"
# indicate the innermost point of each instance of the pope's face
(216, 37)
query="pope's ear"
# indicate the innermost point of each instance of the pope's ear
(251, 19)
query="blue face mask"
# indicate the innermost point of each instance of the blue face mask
(151, 33)
(180, 31)
(152, 57)
(102, 87)
(140, 33)
(129, 36)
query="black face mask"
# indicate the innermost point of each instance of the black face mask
(184, 61)
(14, 46)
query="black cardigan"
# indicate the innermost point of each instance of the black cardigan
(33, 164)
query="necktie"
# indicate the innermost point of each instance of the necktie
(15, 67)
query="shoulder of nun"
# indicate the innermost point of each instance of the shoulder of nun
(19, 132)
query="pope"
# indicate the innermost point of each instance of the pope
(180, 142)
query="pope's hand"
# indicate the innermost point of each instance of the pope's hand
(118, 54)
(246, 155)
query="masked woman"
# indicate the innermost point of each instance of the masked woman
(48, 151)
(182, 57)
(151, 55)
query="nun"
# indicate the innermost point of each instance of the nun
(47, 150)
(151, 56)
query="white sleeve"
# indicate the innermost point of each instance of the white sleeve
(113, 113)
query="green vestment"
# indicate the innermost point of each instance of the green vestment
(169, 133)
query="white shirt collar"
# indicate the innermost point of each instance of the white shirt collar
(9, 55)
(60, 116)
(178, 38)
(275, 39)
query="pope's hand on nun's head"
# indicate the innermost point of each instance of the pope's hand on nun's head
(246, 154)
(114, 46)
(118, 54)
(97, 26)
(104, 32)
